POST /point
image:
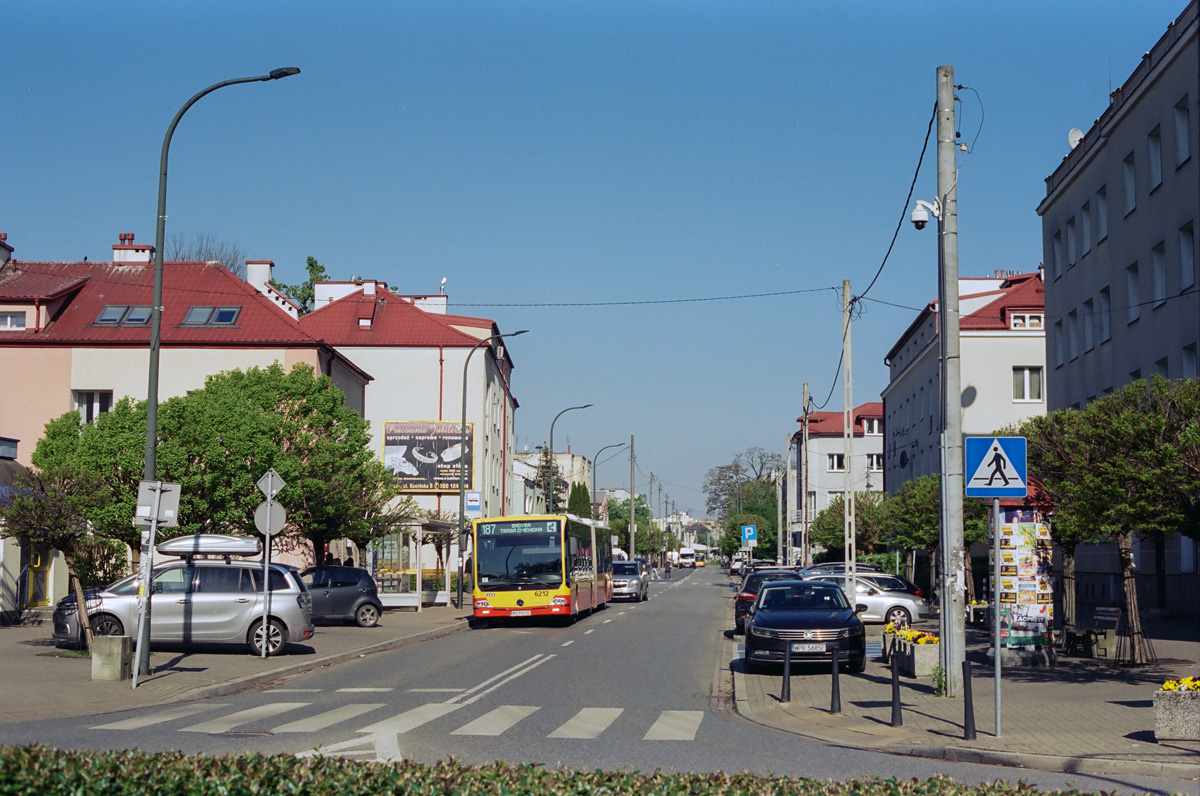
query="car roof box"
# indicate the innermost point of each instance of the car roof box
(211, 544)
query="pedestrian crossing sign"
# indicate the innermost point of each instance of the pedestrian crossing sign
(996, 467)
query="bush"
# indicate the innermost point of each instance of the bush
(99, 562)
(49, 772)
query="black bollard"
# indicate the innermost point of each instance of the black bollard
(897, 712)
(785, 693)
(835, 698)
(883, 650)
(968, 704)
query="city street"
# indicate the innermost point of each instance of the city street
(637, 685)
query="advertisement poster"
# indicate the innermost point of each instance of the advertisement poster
(1026, 585)
(428, 456)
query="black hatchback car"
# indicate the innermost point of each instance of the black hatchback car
(814, 617)
(343, 594)
(744, 597)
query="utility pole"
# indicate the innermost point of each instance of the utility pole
(953, 587)
(780, 546)
(790, 502)
(650, 504)
(804, 542)
(848, 448)
(632, 505)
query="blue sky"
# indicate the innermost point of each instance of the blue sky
(575, 152)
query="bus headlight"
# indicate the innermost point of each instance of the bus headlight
(560, 601)
(482, 604)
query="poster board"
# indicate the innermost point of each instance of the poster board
(428, 456)
(1026, 579)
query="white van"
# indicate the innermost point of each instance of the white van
(687, 557)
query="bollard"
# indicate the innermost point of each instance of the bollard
(897, 712)
(785, 693)
(968, 704)
(884, 651)
(835, 697)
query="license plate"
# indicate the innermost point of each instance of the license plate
(808, 648)
(526, 612)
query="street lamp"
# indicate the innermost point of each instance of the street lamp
(462, 461)
(551, 487)
(150, 470)
(596, 461)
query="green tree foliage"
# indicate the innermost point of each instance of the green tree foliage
(870, 524)
(580, 502)
(727, 486)
(304, 294)
(649, 539)
(767, 546)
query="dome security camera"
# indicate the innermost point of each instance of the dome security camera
(920, 217)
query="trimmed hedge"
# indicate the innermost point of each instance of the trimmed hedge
(41, 771)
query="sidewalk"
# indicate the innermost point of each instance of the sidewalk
(44, 683)
(1082, 715)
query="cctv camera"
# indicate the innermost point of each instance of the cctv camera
(920, 217)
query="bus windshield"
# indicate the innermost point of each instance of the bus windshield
(518, 554)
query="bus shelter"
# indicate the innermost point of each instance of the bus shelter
(400, 564)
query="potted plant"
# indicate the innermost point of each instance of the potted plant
(1177, 710)
(918, 652)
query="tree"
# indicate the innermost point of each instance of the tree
(549, 481)
(50, 507)
(205, 248)
(304, 294)
(828, 528)
(725, 486)
(618, 521)
(580, 501)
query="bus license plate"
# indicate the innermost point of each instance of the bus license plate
(808, 648)
(526, 612)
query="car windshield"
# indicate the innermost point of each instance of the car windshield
(756, 581)
(802, 596)
(625, 569)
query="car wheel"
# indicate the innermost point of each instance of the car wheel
(367, 615)
(276, 637)
(898, 616)
(858, 665)
(107, 625)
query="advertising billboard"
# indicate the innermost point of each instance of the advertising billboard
(428, 456)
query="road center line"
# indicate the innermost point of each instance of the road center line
(492, 679)
(589, 632)
(568, 643)
(511, 677)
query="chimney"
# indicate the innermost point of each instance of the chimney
(5, 250)
(133, 254)
(259, 273)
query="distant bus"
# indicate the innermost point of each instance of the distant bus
(687, 557)
(547, 565)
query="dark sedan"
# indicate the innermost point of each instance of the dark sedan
(744, 597)
(814, 617)
(343, 594)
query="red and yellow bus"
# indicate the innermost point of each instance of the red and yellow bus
(548, 565)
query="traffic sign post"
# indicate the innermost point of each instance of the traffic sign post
(996, 467)
(269, 518)
(157, 504)
(749, 536)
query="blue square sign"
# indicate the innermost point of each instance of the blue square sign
(995, 467)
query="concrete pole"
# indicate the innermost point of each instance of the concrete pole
(790, 500)
(955, 588)
(632, 506)
(848, 448)
(805, 508)
(780, 531)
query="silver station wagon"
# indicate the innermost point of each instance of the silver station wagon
(204, 596)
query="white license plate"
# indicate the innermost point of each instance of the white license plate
(526, 612)
(808, 648)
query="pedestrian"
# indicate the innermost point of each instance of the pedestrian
(349, 561)
(654, 571)
(668, 569)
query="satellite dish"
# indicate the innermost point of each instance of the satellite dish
(1074, 137)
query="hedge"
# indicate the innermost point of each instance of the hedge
(42, 771)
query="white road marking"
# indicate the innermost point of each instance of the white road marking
(497, 721)
(292, 690)
(410, 719)
(361, 690)
(606, 621)
(493, 678)
(227, 723)
(506, 680)
(326, 719)
(587, 723)
(436, 690)
(568, 643)
(158, 718)
(675, 725)
(589, 632)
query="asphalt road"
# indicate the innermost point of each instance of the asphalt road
(635, 686)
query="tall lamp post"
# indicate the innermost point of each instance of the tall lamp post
(150, 471)
(596, 461)
(462, 467)
(551, 487)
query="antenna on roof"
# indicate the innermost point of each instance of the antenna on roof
(443, 285)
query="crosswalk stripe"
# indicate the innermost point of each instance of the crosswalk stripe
(227, 723)
(675, 725)
(588, 723)
(327, 719)
(157, 718)
(497, 721)
(411, 719)
(362, 690)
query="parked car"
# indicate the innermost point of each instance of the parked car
(885, 581)
(343, 594)
(835, 568)
(899, 607)
(200, 600)
(812, 616)
(751, 585)
(736, 566)
(630, 581)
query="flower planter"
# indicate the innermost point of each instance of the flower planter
(917, 660)
(1177, 715)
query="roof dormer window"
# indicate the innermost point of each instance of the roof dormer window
(123, 315)
(111, 315)
(1025, 320)
(211, 316)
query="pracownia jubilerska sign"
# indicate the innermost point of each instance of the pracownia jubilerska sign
(428, 456)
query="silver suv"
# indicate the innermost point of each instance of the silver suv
(212, 600)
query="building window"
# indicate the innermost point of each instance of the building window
(1183, 133)
(1130, 181)
(121, 315)
(1058, 344)
(1102, 213)
(1187, 257)
(1133, 295)
(1089, 328)
(111, 315)
(1105, 314)
(1027, 384)
(1158, 273)
(811, 506)
(1154, 158)
(211, 316)
(12, 320)
(91, 403)
(875, 462)
(873, 426)
(1025, 320)
(1072, 335)
(837, 463)
(1056, 255)
(1085, 229)
(1189, 362)
(1071, 243)
(1160, 367)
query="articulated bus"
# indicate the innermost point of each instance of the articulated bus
(549, 565)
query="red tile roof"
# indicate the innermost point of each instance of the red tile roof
(395, 322)
(829, 424)
(1024, 292)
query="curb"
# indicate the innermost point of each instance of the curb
(960, 754)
